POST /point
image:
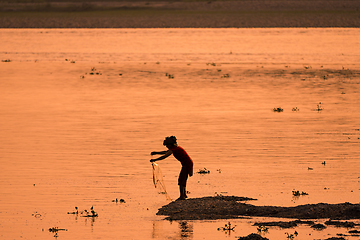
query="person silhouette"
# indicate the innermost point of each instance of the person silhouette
(181, 155)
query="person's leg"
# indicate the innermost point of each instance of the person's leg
(182, 192)
(182, 183)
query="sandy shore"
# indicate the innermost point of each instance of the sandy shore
(179, 14)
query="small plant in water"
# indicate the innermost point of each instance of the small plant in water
(55, 230)
(279, 109)
(76, 212)
(297, 193)
(94, 72)
(227, 228)
(262, 229)
(85, 213)
(319, 108)
(91, 214)
(292, 235)
(203, 171)
(170, 76)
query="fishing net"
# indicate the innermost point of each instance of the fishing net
(159, 181)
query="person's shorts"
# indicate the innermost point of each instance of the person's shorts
(184, 173)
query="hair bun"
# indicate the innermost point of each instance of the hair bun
(170, 140)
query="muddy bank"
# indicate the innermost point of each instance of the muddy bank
(179, 14)
(230, 207)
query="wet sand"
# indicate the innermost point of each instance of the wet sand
(180, 14)
(230, 207)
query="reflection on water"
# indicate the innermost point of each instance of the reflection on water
(186, 229)
(72, 138)
(173, 230)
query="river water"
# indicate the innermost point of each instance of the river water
(81, 110)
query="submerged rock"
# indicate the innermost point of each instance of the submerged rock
(289, 224)
(335, 238)
(253, 236)
(340, 224)
(318, 226)
(277, 224)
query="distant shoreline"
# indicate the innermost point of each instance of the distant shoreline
(179, 14)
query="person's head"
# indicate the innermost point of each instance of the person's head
(170, 142)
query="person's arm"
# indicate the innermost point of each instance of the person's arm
(154, 153)
(166, 154)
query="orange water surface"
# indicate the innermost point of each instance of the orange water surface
(81, 110)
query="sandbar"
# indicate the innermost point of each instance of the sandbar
(232, 207)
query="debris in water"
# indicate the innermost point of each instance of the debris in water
(228, 228)
(279, 109)
(297, 193)
(203, 171)
(55, 230)
(119, 200)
